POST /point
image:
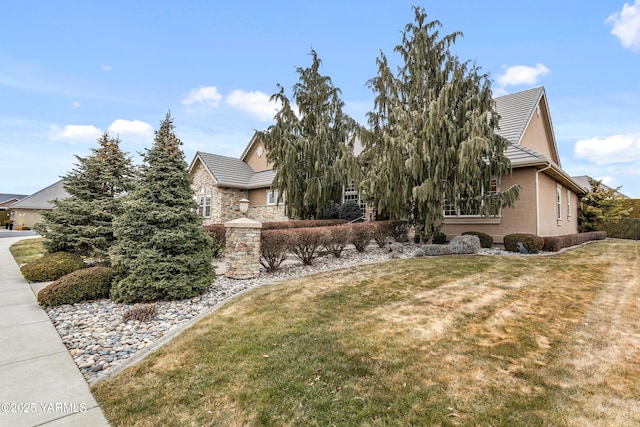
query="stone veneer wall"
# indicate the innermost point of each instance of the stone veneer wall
(267, 213)
(203, 185)
(226, 207)
(243, 248)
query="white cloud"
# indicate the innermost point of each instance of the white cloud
(522, 74)
(255, 103)
(207, 95)
(130, 127)
(75, 133)
(105, 68)
(76, 104)
(626, 26)
(613, 149)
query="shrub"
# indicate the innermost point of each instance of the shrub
(531, 242)
(81, 285)
(301, 223)
(434, 250)
(219, 236)
(335, 239)
(274, 246)
(399, 230)
(140, 312)
(305, 243)
(382, 231)
(439, 238)
(486, 241)
(465, 244)
(361, 235)
(331, 212)
(52, 267)
(555, 243)
(350, 211)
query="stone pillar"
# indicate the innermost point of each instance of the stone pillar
(243, 248)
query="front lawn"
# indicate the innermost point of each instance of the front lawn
(456, 340)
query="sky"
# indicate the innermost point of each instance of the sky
(71, 70)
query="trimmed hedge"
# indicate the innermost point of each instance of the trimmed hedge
(301, 223)
(361, 235)
(305, 243)
(382, 231)
(81, 285)
(335, 239)
(52, 267)
(274, 247)
(439, 238)
(486, 241)
(531, 242)
(219, 236)
(555, 243)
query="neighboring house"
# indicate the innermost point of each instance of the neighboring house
(220, 182)
(583, 180)
(7, 200)
(27, 211)
(549, 197)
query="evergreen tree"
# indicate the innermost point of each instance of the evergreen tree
(82, 223)
(599, 206)
(163, 251)
(311, 152)
(432, 138)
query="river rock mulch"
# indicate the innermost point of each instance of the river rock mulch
(102, 344)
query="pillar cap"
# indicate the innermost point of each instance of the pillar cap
(243, 223)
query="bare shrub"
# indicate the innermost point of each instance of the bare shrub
(141, 312)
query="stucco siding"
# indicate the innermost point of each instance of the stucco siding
(538, 134)
(257, 162)
(26, 217)
(550, 223)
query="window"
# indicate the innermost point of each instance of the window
(465, 207)
(350, 193)
(272, 197)
(568, 205)
(559, 203)
(204, 205)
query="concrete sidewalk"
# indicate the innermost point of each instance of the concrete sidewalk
(40, 383)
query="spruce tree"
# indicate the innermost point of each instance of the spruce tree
(82, 223)
(432, 135)
(311, 151)
(163, 251)
(599, 206)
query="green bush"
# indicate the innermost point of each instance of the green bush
(465, 244)
(335, 239)
(52, 267)
(332, 211)
(274, 247)
(350, 211)
(219, 236)
(361, 235)
(486, 241)
(399, 230)
(439, 238)
(531, 242)
(81, 285)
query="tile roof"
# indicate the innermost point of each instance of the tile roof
(227, 171)
(7, 197)
(523, 156)
(515, 110)
(42, 199)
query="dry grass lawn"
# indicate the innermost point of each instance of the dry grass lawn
(458, 340)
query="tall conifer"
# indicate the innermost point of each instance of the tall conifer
(82, 223)
(432, 135)
(163, 251)
(311, 151)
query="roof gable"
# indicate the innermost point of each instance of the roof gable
(43, 198)
(226, 171)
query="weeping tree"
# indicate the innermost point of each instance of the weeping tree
(432, 139)
(311, 150)
(163, 251)
(83, 222)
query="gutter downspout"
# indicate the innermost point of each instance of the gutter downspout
(538, 198)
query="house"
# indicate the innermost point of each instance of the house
(549, 197)
(27, 211)
(220, 182)
(7, 200)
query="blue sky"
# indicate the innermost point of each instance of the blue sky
(69, 70)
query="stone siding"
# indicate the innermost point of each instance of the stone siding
(267, 213)
(243, 248)
(227, 204)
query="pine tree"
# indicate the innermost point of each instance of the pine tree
(163, 251)
(432, 133)
(599, 206)
(82, 223)
(313, 150)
